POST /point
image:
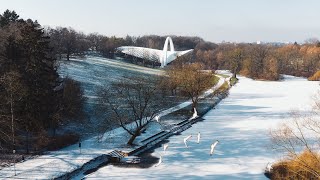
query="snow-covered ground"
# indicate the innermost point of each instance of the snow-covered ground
(240, 122)
(57, 163)
(94, 72)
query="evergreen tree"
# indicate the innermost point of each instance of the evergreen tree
(8, 17)
(28, 77)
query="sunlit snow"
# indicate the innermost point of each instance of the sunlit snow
(241, 123)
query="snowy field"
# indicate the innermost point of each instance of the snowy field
(94, 72)
(241, 123)
(57, 163)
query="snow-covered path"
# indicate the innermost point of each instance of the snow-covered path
(240, 122)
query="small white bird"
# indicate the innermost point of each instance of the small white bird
(165, 147)
(195, 114)
(213, 145)
(186, 139)
(269, 167)
(159, 162)
(198, 137)
(157, 118)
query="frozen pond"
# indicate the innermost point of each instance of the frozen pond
(241, 123)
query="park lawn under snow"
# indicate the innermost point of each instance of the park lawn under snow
(92, 72)
(241, 123)
(57, 163)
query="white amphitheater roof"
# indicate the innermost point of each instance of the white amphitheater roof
(163, 56)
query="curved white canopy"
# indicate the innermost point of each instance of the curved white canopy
(163, 56)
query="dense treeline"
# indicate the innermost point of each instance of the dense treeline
(32, 97)
(67, 41)
(258, 61)
(268, 61)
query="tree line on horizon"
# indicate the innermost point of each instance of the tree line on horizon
(67, 41)
(257, 61)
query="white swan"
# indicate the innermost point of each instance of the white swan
(213, 145)
(269, 167)
(186, 139)
(159, 162)
(165, 147)
(157, 118)
(195, 114)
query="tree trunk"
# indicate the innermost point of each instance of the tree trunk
(132, 138)
(54, 131)
(12, 120)
(68, 56)
(234, 75)
(136, 134)
(194, 103)
(27, 145)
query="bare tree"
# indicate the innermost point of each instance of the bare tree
(132, 102)
(235, 56)
(299, 139)
(190, 80)
(312, 41)
(15, 91)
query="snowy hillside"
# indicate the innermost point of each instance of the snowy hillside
(57, 163)
(94, 72)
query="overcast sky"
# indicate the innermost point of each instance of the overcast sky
(213, 20)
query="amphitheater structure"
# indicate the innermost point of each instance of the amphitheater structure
(164, 56)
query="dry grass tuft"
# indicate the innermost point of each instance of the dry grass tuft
(315, 77)
(305, 166)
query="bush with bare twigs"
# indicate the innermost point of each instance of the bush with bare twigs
(299, 139)
(303, 166)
